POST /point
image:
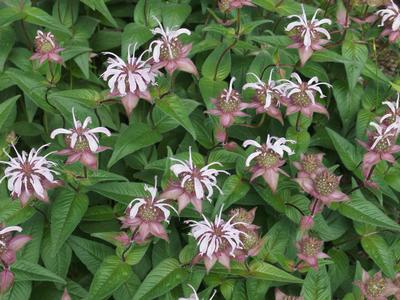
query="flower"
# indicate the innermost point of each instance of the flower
(391, 20)
(65, 295)
(30, 175)
(309, 165)
(227, 5)
(393, 114)
(380, 146)
(9, 244)
(193, 184)
(267, 97)
(6, 280)
(268, 159)
(217, 241)
(309, 249)
(308, 36)
(130, 80)
(279, 295)
(46, 48)
(169, 52)
(300, 96)
(324, 187)
(82, 142)
(194, 295)
(228, 106)
(375, 287)
(146, 215)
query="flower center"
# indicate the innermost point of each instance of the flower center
(249, 240)
(326, 184)
(27, 168)
(45, 47)
(310, 164)
(383, 145)
(189, 186)
(148, 213)
(301, 99)
(80, 145)
(4, 238)
(171, 52)
(312, 247)
(267, 159)
(230, 104)
(375, 287)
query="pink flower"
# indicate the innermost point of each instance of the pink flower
(300, 96)
(309, 249)
(9, 244)
(46, 48)
(170, 53)
(193, 184)
(308, 36)
(342, 16)
(267, 97)
(65, 295)
(227, 5)
(380, 146)
(228, 106)
(30, 175)
(309, 165)
(376, 287)
(392, 113)
(279, 295)
(144, 216)
(194, 296)
(130, 80)
(306, 223)
(268, 159)
(82, 142)
(6, 280)
(324, 187)
(391, 20)
(217, 241)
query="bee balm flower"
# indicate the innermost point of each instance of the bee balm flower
(309, 165)
(217, 241)
(30, 175)
(130, 80)
(268, 159)
(46, 48)
(193, 184)
(391, 20)
(144, 216)
(9, 244)
(308, 36)
(309, 249)
(228, 106)
(393, 114)
(300, 96)
(267, 97)
(228, 5)
(82, 142)
(376, 287)
(170, 53)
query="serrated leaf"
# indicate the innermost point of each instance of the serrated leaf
(27, 271)
(163, 278)
(7, 40)
(316, 285)
(122, 192)
(6, 108)
(101, 7)
(66, 213)
(234, 189)
(37, 16)
(217, 66)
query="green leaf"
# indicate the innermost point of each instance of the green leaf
(58, 262)
(358, 54)
(346, 150)
(9, 15)
(134, 34)
(27, 271)
(35, 15)
(90, 253)
(122, 192)
(234, 189)
(111, 274)
(66, 213)
(101, 7)
(377, 249)
(135, 253)
(265, 271)
(219, 58)
(86, 97)
(339, 271)
(106, 40)
(179, 109)
(7, 40)
(348, 102)
(128, 288)
(163, 278)
(135, 137)
(146, 10)
(175, 14)
(364, 211)
(6, 107)
(316, 285)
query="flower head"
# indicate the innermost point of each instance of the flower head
(144, 216)
(308, 35)
(82, 142)
(217, 241)
(267, 97)
(300, 96)
(228, 106)
(228, 5)
(46, 48)
(324, 186)
(169, 52)
(194, 295)
(309, 165)
(10, 244)
(376, 287)
(130, 79)
(30, 175)
(193, 184)
(268, 159)
(390, 18)
(392, 114)
(309, 249)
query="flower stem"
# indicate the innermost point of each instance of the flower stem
(85, 172)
